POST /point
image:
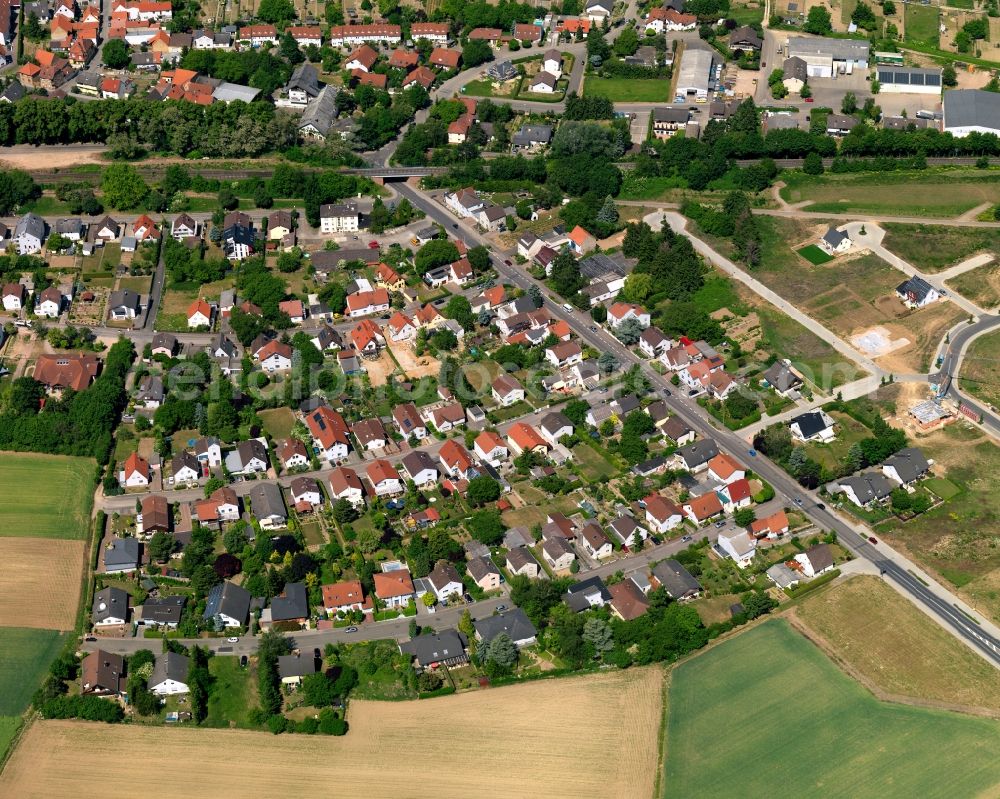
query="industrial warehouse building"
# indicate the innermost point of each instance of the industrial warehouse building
(826, 57)
(696, 72)
(908, 80)
(971, 111)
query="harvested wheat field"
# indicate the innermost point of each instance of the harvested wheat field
(40, 582)
(580, 737)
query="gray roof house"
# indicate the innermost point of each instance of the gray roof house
(866, 488)
(228, 604)
(268, 505)
(696, 456)
(532, 136)
(110, 606)
(29, 233)
(515, 623)
(249, 456)
(170, 674)
(781, 378)
(124, 304)
(292, 605)
(447, 647)
(677, 581)
(319, 116)
(165, 611)
(292, 668)
(906, 466)
(587, 594)
(834, 238)
(122, 555)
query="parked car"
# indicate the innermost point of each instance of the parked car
(351, 630)
(373, 245)
(232, 640)
(872, 539)
(243, 661)
(500, 607)
(317, 654)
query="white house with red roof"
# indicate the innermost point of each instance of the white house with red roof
(662, 515)
(136, 472)
(199, 314)
(275, 356)
(621, 312)
(736, 495)
(580, 241)
(490, 448)
(401, 327)
(725, 468)
(329, 433)
(365, 303)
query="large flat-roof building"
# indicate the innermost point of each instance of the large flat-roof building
(826, 57)
(695, 75)
(971, 111)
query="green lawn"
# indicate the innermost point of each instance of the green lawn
(24, 658)
(716, 293)
(831, 456)
(926, 193)
(801, 727)
(233, 695)
(278, 422)
(981, 369)
(48, 205)
(921, 23)
(46, 496)
(479, 88)
(935, 247)
(594, 467)
(814, 255)
(942, 487)
(628, 90)
(9, 725)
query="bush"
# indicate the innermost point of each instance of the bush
(331, 724)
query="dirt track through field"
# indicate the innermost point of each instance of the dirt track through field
(40, 582)
(593, 736)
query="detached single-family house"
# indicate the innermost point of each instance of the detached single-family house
(628, 531)
(490, 448)
(408, 421)
(677, 581)
(592, 539)
(695, 457)
(136, 473)
(345, 484)
(344, 597)
(122, 555)
(445, 581)
(816, 560)
(520, 561)
(917, 292)
(249, 457)
(558, 553)
(110, 607)
(834, 242)
(102, 674)
(587, 594)
(812, 426)
(445, 648)
(394, 588)
(268, 506)
(384, 478)
(185, 468)
(507, 390)
(329, 433)
(740, 547)
(290, 606)
(726, 469)
(566, 353)
(292, 668)
(627, 600)
(484, 573)
(906, 466)
(621, 312)
(228, 605)
(170, 674)
(305, 494)
(513, 623)
(420, 467)
(867, 488)
(703, 508)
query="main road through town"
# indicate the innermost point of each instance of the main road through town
(938, 602)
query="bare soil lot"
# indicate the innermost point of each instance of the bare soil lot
(412, 365)
(40, 582)
(28, 157)
(387, 752)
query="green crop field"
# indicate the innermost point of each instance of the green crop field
(768, 712)
(45, 496)
(24, 657)
(9, 726)
(814, 255)
(628, 90)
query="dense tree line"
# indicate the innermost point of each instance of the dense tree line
(78, 423)
(236, 129)
(16, 188)
(484, 15)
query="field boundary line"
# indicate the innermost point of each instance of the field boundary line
(27, 719)
(668, 672)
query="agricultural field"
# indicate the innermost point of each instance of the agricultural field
(627, 90)
(898, 651)
(928, 193)
(932, 248)
(717, 720)
(921, 24)
(24, 658)
(40, 582)
(38, 513)
(980, 285)
(620, 711)
(9, 725)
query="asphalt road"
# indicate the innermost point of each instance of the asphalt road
(884, 558)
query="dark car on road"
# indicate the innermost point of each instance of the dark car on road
(872, 539)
